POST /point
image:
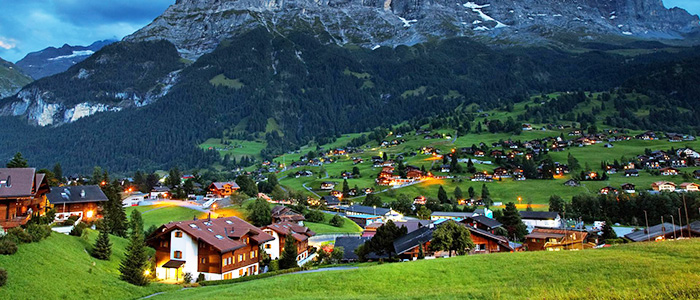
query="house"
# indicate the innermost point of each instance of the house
(631, 173)
(83, 201)
(445, 168)
(669, 171)
(447, 215)
(663, 186)
(572, 183)
(687, 152)
(134, 199)
(661, 232)
(304, 173)
(479, 153)
(223, 189)
(629, 188)
(611, 171)
(608, 190)
(482, 222)
(160, 192)
(349, 244)
(501, 172)
(557, 239)
(690, 187)
(420, 200)
(487, 242)
(222, 248)
(22, 194)
(544, 219)
(280, 231)
(407, 246)
(327, 185)
(285, 214)
(330, 200)
(346, 175)
(527, 127)
(484, 212)
(411, 226)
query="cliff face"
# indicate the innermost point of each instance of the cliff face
(11, 79)
(197, 26)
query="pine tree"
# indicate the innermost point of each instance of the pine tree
(471, 192)
(512, 222)
(421, 255)
(485, 195)
(458, 194)
(135, 222)
(135, 261)
(346, 188)
(103, 247)
(442, 196)
(17, 161)
(58, 172)
(288, 259)
(260, 213)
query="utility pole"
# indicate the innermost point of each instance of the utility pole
(674, 227)
(646, 220)
(687, 220)
(680, 221)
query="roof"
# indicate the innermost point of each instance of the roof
(349, 244)
(695, 226)
(452, 214)
(413, 239)
(173, 264)
(221, 184)
(300, 233)
(20, 182)
(286, 214)
(539, 215)
(367, 210)
(654, 231)
(486, 221)
(331, 199)
(224, 234)
(544, 235)
(503, 241)
(76, 194)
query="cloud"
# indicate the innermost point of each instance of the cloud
(32, 25)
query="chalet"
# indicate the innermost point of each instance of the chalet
(386, 213)
(411, 226)
(689, 187)
(327, 185)
(222, 248)
(414, 174)
(678, 162)
(660, 232)
(356, 161)
(501, 172)
(647, 136)
(479, 153)
(336, 193)
(82, 201)
(663, 186)
(352, 192)
(482, 222)
(22, 194)
(631, 173)
(669, 171)
(611, 171)
(281, 214)
(497, 154)
(349, 244)
(628, 188)
(368, 190)
(420, 200)
(134, 199)
(687, 152)
(487, 242)
(575, 133)
(304, 173)
(527, 127)
(557, 239)
(280, 231)
(543, 219)
(407, 246)
(608, 190)
(447, 215)
(572, 183)
(160, 192)
(482, 176)
(330, 200)
(346, 175)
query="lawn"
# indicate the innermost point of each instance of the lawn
(235, 148)
(320, 228)
(60, 268)
(667, 270)
(159, 215)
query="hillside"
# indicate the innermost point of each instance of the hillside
(60, 268)
(12, 79)
(51, 61)
(665, 270)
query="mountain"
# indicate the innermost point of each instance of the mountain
(12, 79)
(198, 26)
(52, 60)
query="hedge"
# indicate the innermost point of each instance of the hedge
(248, 278)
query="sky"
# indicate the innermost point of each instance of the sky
(32, 25)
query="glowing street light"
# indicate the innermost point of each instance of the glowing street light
(520, 200)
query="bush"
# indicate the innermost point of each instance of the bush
(200, 278)
(314, 216)
(7, 247)
(73, 218)
(38, 232)
(188, 277)
(78, 229)
(274, 265)
(68, 223)
(3, 277)
(18, 235)
(248, 278)
(337, 221)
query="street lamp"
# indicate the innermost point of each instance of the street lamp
(520, 200)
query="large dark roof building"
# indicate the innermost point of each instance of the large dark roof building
(83, 201)
(22, 194)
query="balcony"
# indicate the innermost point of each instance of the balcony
(14, 222)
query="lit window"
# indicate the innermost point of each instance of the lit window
(178, 234)
(203, 260)
(268, 246)
(178, 254)
(240, 257)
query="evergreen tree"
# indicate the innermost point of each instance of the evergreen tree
(458, 194)
(442, 196)
(17, 161)
(485, 195)
(260, 213)
(135, 223)
(272, 180)
(573, 163)
(288, 259)
(384, 157)
(471, 192)
(337, 221)
(557, 204)
(421, 254)
(607, 230)
(114, 214)
(383, 240)
(355, 171)
(135, 262)
(103, 247)
(247, 185)
(346, 188)
(58, 172)
(512, 222)
(372, 200)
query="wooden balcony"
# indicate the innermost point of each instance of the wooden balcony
(17, 221)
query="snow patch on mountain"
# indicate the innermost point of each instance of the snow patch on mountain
(74, 54)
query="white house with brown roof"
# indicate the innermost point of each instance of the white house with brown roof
(223, 189)
(222, 248)
(690, 187)
(280, 231)
(663, 186)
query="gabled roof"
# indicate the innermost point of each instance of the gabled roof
(331, 200)
(220, 185)
(300, 233)
(367, 210)
(21, 182)
(503, 241)
(654, 232)
(224, 234)
(413, 239)
(484, 220)
(76, 194)
(349, 244)
(539, 215)
(452, 214)
(286, 214)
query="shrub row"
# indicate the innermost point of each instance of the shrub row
(248, 278)
(17, 235)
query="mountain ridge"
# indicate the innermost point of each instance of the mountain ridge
(12, 79)
(51, 60)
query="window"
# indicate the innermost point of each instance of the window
(178, 254)
(255, 269)
(203, 260)
(480, 247)
(252, 254)
(268, 246)
(240, 272)
(228, 275)
(178, 234)
(240, 257)
(164, 244)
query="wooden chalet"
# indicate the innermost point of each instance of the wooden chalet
(285, 214)
(223, 189)
(689, 187)
(22, 194)
(663, 186)
(551, 239)
(487, 242)
(83, 201)
(280, 231)
(222, 248)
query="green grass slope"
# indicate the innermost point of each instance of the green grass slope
(60, 268)
(666, 270)
(11, 78)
